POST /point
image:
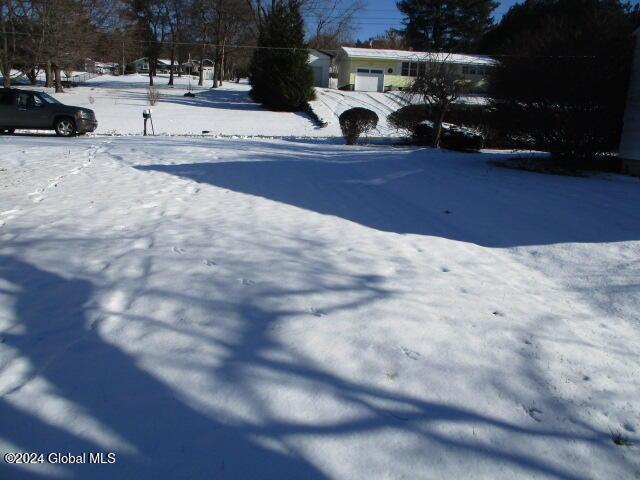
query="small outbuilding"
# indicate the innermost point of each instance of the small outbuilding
(320, 63)
(630, 142)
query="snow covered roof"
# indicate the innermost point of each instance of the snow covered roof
(164, 61)
(319, 52)
(405, 55)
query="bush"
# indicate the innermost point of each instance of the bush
(464, 134)
(153, 95)
(408, 118)
(355, 122)
(453, 137)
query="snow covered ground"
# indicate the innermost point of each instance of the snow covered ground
(217, 308)
(228, 111)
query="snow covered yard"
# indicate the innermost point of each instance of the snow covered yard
(285, 309)
(226, 111)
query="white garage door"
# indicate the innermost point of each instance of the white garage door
(369, 80)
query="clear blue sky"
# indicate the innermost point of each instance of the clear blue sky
(379, 15)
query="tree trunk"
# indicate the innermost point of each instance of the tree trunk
(150, 74)
(221, 75)
(437, 127)
(57, 79)
(6, 73)
(33, 77)
(201, 73)
(216, 68)
(173, 60)
(48, 75)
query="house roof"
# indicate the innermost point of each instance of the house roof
(321, 52)
(405, 55)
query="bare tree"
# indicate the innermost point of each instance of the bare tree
(331, 21)
(438, 85)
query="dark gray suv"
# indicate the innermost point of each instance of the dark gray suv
(31, 110)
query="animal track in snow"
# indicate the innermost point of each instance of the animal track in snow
(445, 270)
(209, 263)
(245, 281)
(534, 413)
(410, 353)
(143, 243)
(315, 312)
(178, 250)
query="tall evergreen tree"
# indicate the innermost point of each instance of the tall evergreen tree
(446, 25)
(280, 74)
(563, 74)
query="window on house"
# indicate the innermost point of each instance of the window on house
(405, 69)
(377, 71)
(413, 69)
(363, 70)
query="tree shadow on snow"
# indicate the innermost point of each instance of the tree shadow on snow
(159, 435)
(425, 192)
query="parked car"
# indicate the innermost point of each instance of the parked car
(31, 110)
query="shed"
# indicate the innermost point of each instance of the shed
(320, 63)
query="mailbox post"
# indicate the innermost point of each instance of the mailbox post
(146, 115)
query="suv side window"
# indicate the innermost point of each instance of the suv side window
(23, 99)
(6, 98)
(34, 101)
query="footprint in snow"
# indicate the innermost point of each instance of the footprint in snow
(143, 243)
(445, 270)
(209, 263)
(315, 312)
(178, 250)
(498, 313)
(410, 353)
(534, 413)
(245, 281)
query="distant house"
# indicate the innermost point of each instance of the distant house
(141, 65)
(630, 143)
(320, 63)
(92, 66)
(376, 70)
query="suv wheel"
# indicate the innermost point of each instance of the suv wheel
(65, 127)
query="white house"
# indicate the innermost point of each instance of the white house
(630, 143)
(379, 70)
(320, 63)
(163, 65)
(92, 66)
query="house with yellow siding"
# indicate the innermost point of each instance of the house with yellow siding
(378, 70)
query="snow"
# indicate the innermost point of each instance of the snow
(118, 102)
(219, 308)
(410, 56)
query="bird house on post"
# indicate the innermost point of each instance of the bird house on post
(146, 115)
(630, 142)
